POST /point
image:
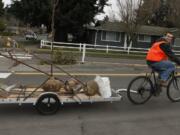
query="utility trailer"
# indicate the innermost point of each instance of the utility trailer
(46, 102)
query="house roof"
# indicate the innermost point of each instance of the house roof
(109, 26)
(152, 30)
(121, 27)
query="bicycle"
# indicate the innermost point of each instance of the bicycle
(141, 88)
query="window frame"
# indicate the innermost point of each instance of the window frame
(145, 39)
(102, 32)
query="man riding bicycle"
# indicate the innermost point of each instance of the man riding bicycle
(158, 58)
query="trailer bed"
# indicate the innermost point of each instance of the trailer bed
(19, 97)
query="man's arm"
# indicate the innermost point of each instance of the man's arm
(168, 51)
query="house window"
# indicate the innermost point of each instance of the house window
(144, 38)
(110, 36)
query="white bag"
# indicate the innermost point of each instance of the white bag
(104, 86)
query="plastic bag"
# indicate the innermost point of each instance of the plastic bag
(104, 86)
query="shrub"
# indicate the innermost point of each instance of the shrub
(61, 58)
(64, 58)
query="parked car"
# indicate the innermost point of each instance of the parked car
(31, 36)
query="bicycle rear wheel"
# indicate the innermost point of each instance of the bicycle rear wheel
(139, 90)
(173, 89)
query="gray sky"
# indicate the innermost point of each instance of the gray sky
(111, 11)
(7, 2)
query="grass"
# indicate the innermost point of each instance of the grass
(89, 52)
(115, 55)
(96, 53)
(30, 42)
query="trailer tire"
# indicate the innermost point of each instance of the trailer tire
(48, 104)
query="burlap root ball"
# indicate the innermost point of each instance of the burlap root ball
(91, 88)
(53, 85)
(70, 84)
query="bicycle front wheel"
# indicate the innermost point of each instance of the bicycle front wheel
(173, 89)
(139, 90)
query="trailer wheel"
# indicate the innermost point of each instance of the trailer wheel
(48, 104)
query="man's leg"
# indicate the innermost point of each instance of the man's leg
(165, 68)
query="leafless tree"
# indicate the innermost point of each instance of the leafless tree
(127, 13)
(134, 13)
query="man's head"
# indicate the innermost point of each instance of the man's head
(169, 37)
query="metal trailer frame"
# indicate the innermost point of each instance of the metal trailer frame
(43, 100)
(68, 99)
(55, 100)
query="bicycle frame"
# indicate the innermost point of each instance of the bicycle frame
(153, 80)
(148, 85)
(173, 76)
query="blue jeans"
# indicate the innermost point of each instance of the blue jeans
(164, 68)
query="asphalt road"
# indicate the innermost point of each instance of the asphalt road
(157, 116)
